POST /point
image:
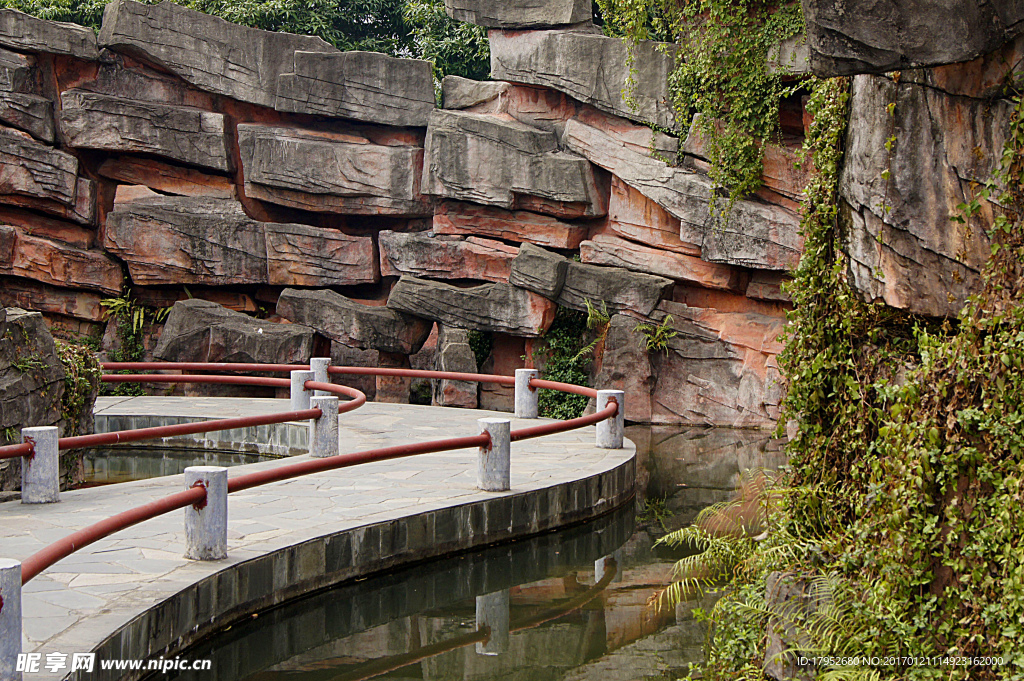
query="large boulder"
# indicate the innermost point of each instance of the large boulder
(453, 217)
(32, 295)
(328, 172)
(539, 270)
(591, 68)
(213, 54)
(20, 31)
(31, 382)
(454, 354)
(166, 178)
(904, 247)
(617, 288)
(203, 331)
(354, 324)
(187, 240)
(300, 255)
(497, 308)
(869, 36)
(94, 121)
(719, 370)
(633, 216)
(58, 264)
(500, 162)
(520, 13)
(22, 101)
(462, 93)
(365, 86)
(422, 255)
(35, 171)
(605, 249)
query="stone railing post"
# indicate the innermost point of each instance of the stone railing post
(206, 523)
(493, 464)
(40, 473)
(10, 619)
(526, 397)
(323, 432)
(319, 365)
(300, 396)
(609, 431)
(492, 610)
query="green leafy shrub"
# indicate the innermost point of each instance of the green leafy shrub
(81, 382)
(564, 362)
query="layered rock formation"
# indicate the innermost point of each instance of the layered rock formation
(236, 173)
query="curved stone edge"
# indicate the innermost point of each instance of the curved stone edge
(274, 440)
(300, 569)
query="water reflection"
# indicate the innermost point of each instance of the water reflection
(567, 606)
(122, 464)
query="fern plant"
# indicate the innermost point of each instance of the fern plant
(655, 338)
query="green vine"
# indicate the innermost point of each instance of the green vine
(131, 318)
(565, 360)
(81, 382)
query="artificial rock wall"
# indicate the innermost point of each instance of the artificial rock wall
(263, 178)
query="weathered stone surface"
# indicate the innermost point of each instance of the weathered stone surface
(539, 270)
(618, 288)
(201, 331)
(392, 389)
(27, 398)
(624, 364)
(489, 307)
(461, 93)
(42, 260)
(983, 77)
(327, 172)
(20, 31)
(18, 73)
(187, 240)
(493, 161)
(767, 286)
(454, 354)
(520, 13)
(590, 67)
(365, 86)
(299, 255)
(32, 295)
(354, 324)
(611, 250)
(634, 216)
(30, 113)
(34, 224)
(719, 370)
(453, 217)
(93, 121)
(166, 178)
(33, 170)
(790, 57)
(206, 51)
(755, 235)
(344, 356)
(912, 256)
(421, 255)
(859, 37)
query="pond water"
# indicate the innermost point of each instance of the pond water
(123, 464)
(578, 598)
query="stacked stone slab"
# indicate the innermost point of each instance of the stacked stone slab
(232, 172)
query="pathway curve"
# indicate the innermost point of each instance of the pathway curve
(287, 538)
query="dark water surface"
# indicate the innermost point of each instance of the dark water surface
(123, 464)
(573, 618)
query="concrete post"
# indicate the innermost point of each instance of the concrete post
(526, 397)
(609, 431)
(323, 432)
(492, 610)
(40, 474)
(493, 464)
(318, 365)
(10, 619)
(300, 396)
(206, 527)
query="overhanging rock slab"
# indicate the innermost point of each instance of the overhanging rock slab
(520, 13)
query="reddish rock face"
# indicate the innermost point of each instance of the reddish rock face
(32, 295)
(506, 356)
(611, 250)
(454, 217)
(167, 178)
(393, 389)
(634, 216)
(421, 255)
(55, 230)
(625, 365)
(48, 262)
(298, 255)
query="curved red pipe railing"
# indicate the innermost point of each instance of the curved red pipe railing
(64, 547)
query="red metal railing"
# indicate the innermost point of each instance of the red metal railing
(197, 495)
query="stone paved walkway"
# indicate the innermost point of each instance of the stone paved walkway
(78, 603)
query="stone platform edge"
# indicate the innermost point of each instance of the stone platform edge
(242, 589)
